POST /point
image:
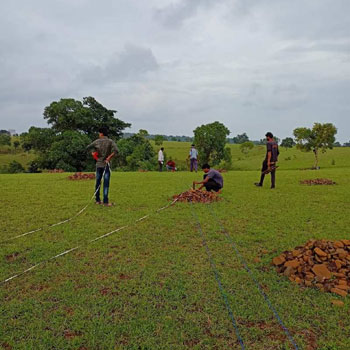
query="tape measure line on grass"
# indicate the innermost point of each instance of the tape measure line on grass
(261, 291)
(82, 245)
(218, 280)
(61, 222)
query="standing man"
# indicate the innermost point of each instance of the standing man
(193, 158)
(212, 179)
(161, 159)
(105, 149)
(269, 164)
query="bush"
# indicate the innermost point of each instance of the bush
(13, 168)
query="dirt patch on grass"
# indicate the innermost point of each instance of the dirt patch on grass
(317, 182)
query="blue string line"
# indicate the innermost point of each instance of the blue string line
(244, 263)
(216, 274)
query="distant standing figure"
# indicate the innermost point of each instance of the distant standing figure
(212, 179)
(105, 149)
(161, 159)
(193, 158)
(269, 164)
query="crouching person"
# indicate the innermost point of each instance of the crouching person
(212, 179)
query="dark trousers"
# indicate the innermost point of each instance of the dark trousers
(211, 185)
(99, 173)
(273, 174)
(160, 166)
(193, 164)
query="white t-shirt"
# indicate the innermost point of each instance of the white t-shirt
(160, 156)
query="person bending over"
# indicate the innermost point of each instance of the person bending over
(212, 179)
(170, 165)
(269, 164)
(106, 150)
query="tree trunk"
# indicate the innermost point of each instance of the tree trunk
(316, 158)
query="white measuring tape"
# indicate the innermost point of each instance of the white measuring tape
(81, 245)
(64, 221)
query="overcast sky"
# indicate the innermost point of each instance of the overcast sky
(170, 65)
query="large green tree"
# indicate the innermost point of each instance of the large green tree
(210, 140)
(136, 152)
(320, 137)
(74, 125)
(86, 117)
(288, 142)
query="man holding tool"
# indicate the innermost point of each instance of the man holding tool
(212, 179)
(104, 150)
(269, 164)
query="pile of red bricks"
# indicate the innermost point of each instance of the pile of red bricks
(321, 264)
(317, 182)
(197, 196)
(82, 176)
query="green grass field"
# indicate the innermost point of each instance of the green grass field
(151, 286)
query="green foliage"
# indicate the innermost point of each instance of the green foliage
(87, 117)
(288, 142)
(159, 139)
(210, 140)
(16, 144)
(74, 124)
(5, 139)
(245, 147)
(33, 167)
(239, 139)
(68, 152)
(320, 137)
(136, 152)
(13, 168)
(38, 139)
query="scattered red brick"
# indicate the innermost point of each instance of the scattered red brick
(320, 264)
(82, 176)
(197, 196)
(317, 182)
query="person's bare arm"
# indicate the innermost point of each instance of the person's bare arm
(201, 182)
(269, 154)
(108, 159)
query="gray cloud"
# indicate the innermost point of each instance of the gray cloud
(131, 64)
(170, 65)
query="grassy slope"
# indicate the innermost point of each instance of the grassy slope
(151, 286)
(252, 161)
(179, 151)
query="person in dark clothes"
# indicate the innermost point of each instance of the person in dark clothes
(105, 149)
(212, 179)
(269, 164)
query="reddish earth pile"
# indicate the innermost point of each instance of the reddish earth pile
(317, 182)
(82, 176)
(321, 264)
(197, 196)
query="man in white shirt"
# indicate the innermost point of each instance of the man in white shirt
(161, 159)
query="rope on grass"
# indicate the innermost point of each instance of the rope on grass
(63, 221)
(218, 280)
(81, 245)
(245, 265)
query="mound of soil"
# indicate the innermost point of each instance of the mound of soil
(197, 196)
(317, 182)
(82, 176)
(320, 264)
